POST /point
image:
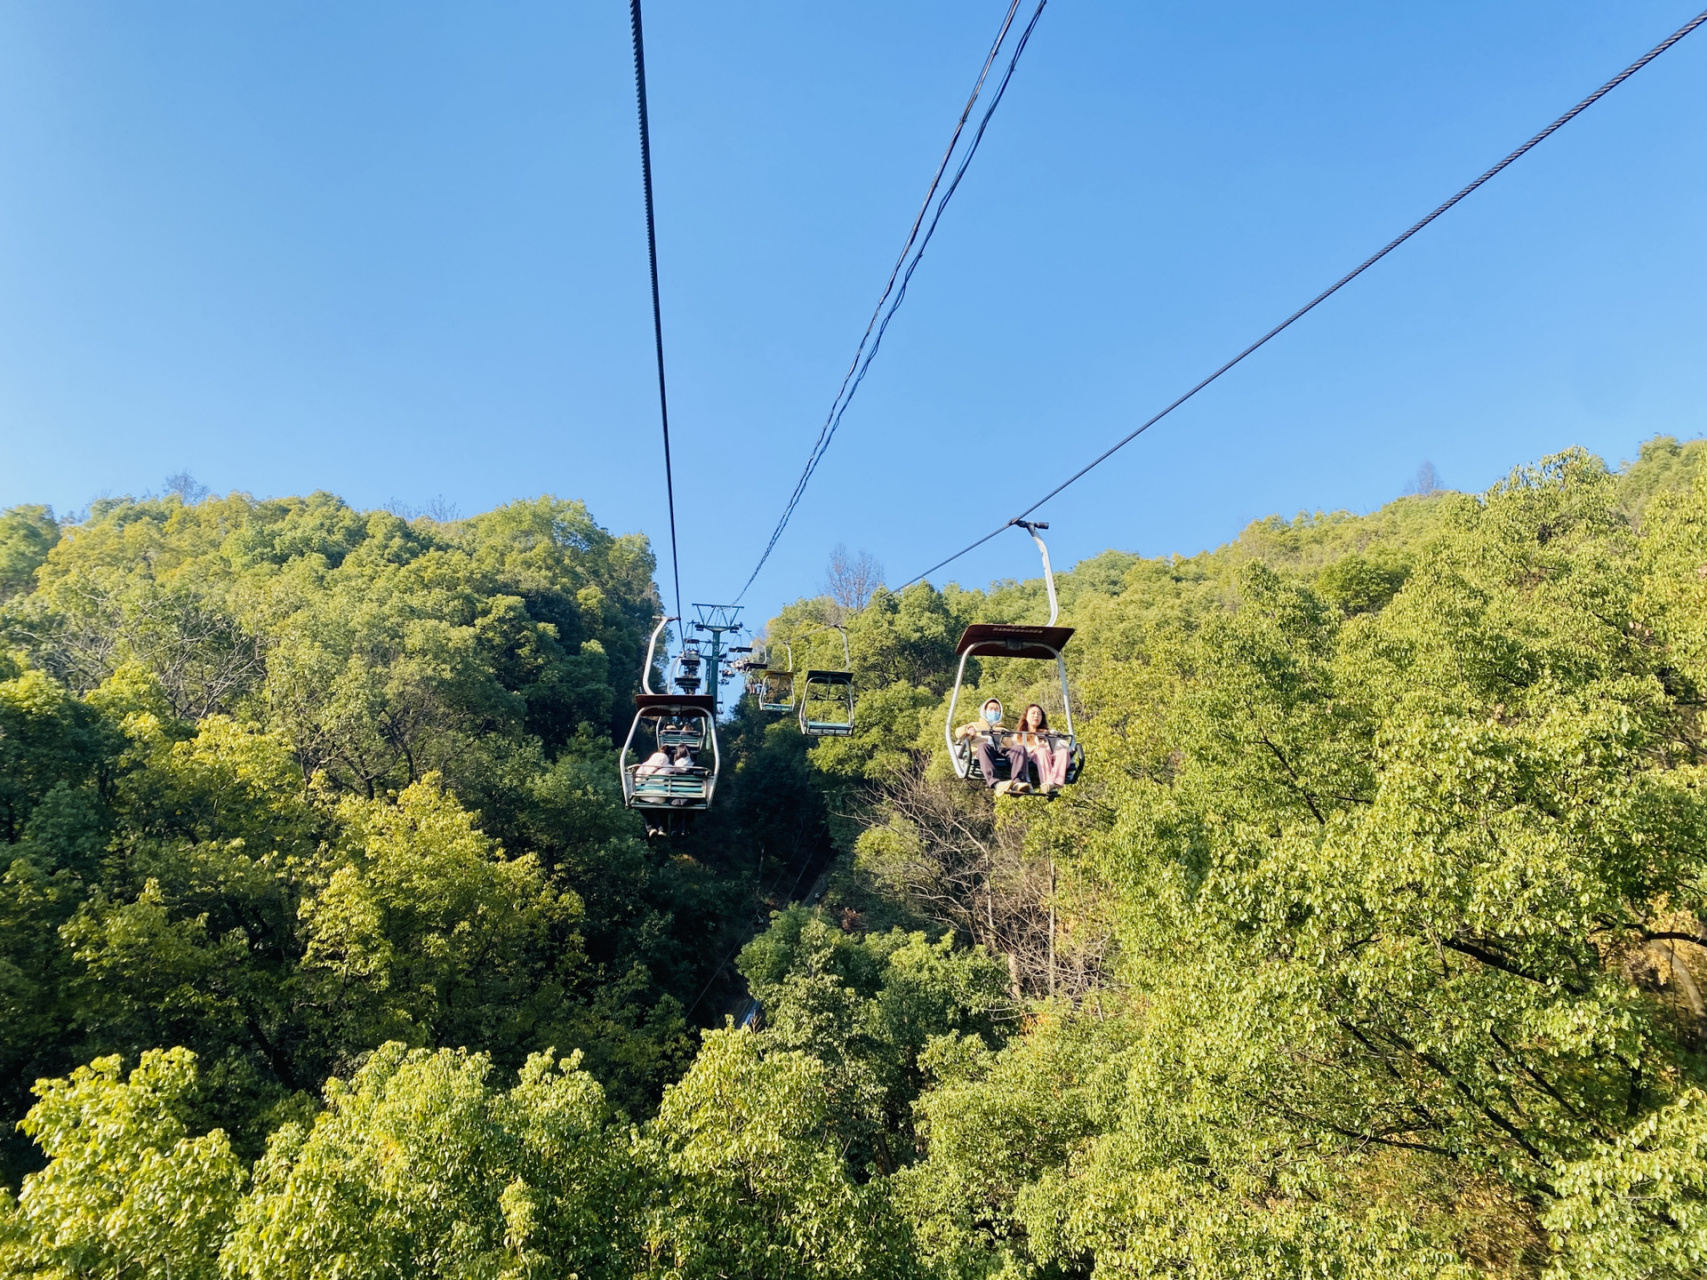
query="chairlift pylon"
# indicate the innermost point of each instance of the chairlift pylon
(1005, 640)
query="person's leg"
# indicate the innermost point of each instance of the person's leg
(1041, 763)
(1056, 761)
(1034, 768)
(1017, 761)
(987, 763)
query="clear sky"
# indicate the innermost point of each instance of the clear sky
(395, 250)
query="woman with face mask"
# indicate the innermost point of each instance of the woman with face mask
(993, 733)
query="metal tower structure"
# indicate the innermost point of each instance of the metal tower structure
(716, 620)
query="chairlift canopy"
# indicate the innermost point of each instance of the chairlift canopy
(1006, 640)
(659, 705)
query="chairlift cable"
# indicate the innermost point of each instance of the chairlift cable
(657, 310)
(1339, 284)
(880, 316)
(913, 231)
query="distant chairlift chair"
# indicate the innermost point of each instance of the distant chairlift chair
(827, 696)
(773, 688)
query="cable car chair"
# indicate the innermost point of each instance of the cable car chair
(838, 693)
(774, 689)
(1003, 640)
(670, 795)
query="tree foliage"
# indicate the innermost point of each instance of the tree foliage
(1372, 944)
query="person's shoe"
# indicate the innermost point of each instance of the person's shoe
(1003, 787)
(1018, 788)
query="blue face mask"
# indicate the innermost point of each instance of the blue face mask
(993, 714)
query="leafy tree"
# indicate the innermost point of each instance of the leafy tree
(128, 1192)
(419, 1167)
(429, 934)
(1637, 1205)
(1372, 942)
(27, 534)
(219, 736)
(751, 1182)
(865, 1007)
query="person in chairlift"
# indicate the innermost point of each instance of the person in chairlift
(1049, 758)
(991, 725)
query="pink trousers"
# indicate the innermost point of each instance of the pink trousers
(1051, 765)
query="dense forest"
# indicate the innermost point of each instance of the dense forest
(1370, 944)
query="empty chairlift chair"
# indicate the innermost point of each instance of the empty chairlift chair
(826, 696)
(772, 687)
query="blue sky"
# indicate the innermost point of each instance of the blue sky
(396, 251)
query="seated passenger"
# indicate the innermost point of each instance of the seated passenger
(1051, 760)
(991, 726)
(657, 762)
(683, 763)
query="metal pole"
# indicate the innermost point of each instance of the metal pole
(715, 678)
(1051, 928)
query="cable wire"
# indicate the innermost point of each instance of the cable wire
(1339, 284)
(657, 310)
(912, 236)
(862, 358)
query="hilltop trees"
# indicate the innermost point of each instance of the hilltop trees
(1405, 901)
(283, 781)
(1373, 943)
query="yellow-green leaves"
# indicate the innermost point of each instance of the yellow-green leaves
(431, 933)
(128, 1191)
(752, 1182)
(419, 1166)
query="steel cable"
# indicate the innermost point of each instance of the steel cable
(657, 310)
(1339, 284)
(862, 358)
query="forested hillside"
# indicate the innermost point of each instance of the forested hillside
(1371, 943)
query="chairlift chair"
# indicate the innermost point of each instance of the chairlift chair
(667, 789)
(682, 731)
(830, 690)
(774, 689)
(672, 794)
(1005, 640)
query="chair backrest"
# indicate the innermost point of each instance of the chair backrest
(776, 691)
(682, 733)
(825, 690)
(665, 787)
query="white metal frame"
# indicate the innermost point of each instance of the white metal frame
(636, 796)
(826, 728)
(960, 750)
